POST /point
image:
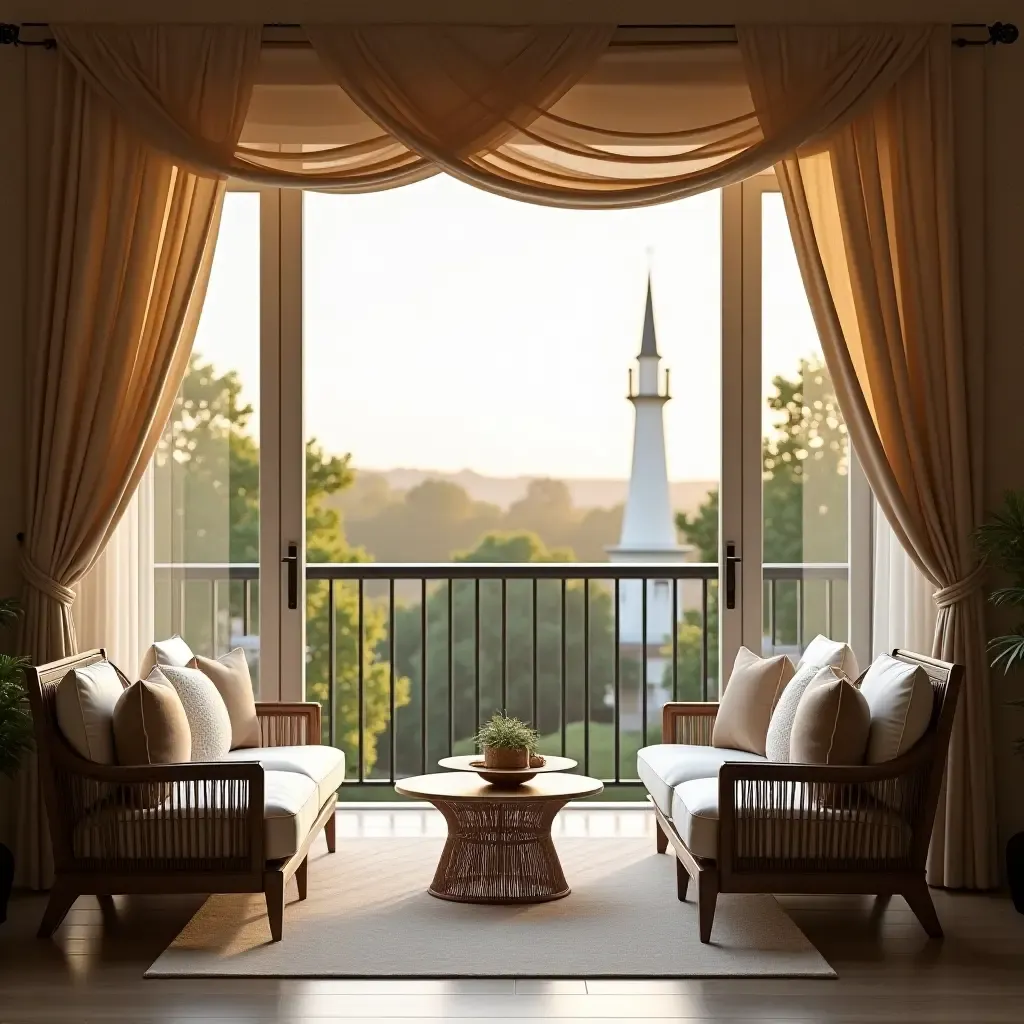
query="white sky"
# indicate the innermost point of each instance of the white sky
(446, 328)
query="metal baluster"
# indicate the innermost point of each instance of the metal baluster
(332, 654)
(565, 648)
(586, 676)
(423, 675)
(704, 588)
(675, 639)
(618, 688)
(451, 670)
(213, 618)
(245, 606)
(504, 643)
(362, 695)
(772, 598)
(476, 657)
(391, 677)
(800, 614)
(533, 698)
(643, 661)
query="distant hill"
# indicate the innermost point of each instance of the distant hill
(687, 495)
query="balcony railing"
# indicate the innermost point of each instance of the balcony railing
(407, 660)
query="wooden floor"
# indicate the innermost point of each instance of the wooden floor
(888, 970)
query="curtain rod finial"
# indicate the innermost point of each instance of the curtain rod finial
(1003, 32)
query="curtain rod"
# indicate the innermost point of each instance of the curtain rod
(999, 32)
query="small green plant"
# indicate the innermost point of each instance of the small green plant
(15, 718)
(503, 732)
(1000, 540)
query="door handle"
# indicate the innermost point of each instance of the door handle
(731, 561)
(292, 561)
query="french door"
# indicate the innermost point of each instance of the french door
(795, 507)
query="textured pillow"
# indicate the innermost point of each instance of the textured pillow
(749, 699)
(831, 724)
(822, 651)
(780, 728)
(208, 718)
(900, 699)
(150, 725)
(85, 702)
(173, 651)
(230, 674)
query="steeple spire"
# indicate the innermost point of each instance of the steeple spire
(649, 338)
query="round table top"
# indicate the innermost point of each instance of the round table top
(465, 763)
(468, 786)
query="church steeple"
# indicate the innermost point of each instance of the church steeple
(648, 526)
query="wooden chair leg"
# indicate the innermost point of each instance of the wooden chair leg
(682, 881)
(331, 834)
(60, 902)
(301, 875)
(707, 897)
(919, 899)
(273, 887)
(661, 840)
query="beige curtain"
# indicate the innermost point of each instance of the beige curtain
(120, 241)
(560, 115)
(873, 213)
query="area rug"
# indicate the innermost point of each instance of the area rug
(368, 915)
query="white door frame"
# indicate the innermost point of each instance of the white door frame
(741, 514)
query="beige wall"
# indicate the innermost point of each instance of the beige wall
(1002, 348)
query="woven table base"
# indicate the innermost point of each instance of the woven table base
(499, 852)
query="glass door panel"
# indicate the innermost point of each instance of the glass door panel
(206, 473)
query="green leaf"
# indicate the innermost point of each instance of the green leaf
(1007, 650)
(1007, 596)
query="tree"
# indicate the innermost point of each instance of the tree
(207, 510)
(804, 491)
(516, 653)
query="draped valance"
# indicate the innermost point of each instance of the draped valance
(558, 114)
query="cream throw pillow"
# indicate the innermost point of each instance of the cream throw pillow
(150, 725)
(780, 729)
(85, 703)
(834, 653)
(207, 715)
(831, 725)
(750, 697)
(230, 674)
(900, 699)
(173, 651)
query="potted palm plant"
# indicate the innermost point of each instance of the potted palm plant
(1001, 542)
(507, 742)
(15, 734)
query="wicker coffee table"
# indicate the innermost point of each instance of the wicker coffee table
(499, 847)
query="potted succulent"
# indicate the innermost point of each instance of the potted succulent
(15, 734)
(1001, 542)
(507, 742)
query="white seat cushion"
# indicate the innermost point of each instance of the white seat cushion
(810, 831)
(290, 806)
(663, 766)
(324, 765)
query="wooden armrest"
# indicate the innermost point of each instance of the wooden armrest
(688, 721)
(295, 723)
